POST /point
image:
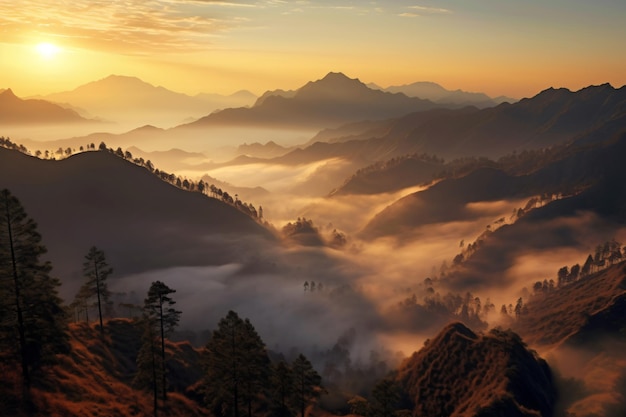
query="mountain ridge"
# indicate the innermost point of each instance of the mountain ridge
(15, 110)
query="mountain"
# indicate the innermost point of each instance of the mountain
(126, 99)
(331, 101)
(436, 93)
(268, 150)
(587, 175)
(141, 222)
(461, 373)
(551, 117)
(16, 111)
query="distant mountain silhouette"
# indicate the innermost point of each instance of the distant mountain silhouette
(461, 373)
(549, 118)
(14, 110)
(123, 99)
(436, 93)
(268, 150)
(141, 222)
(331, 101)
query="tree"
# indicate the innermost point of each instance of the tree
(159, 313)
(282, 384)
(33, 325)
(96, 270)
(587, 266)
(385, 398)
(307, 382)
(149, 370)
(236, 366)
(81, 303)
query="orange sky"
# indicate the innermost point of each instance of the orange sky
(501, 47)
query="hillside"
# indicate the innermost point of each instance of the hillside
(461, 373)
(591, 173)
(141, 222)
(392, 175)
(331, 101)
(16, 111)
(95, 379)
(580, 313)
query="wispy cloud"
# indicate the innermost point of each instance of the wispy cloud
(430, 10)
(132, 27)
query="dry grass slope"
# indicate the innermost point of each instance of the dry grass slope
(95, 379)
(577, 312)
(463, 374)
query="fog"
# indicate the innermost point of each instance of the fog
(363, 285)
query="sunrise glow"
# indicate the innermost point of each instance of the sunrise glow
(47, 50)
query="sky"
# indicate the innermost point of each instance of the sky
(500, 47)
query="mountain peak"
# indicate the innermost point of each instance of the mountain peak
(8, 93)
(335, 85)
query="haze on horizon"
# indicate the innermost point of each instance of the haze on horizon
(500, 48)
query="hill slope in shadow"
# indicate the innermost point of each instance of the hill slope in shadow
(141, 222)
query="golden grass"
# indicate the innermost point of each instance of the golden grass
(559, 316)
(94, 380)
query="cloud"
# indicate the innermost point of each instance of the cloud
(430, 10)
(135, 27)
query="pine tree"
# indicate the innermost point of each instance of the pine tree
(237, 366)
(159, 313)
(33, 326)
(96, 270)
(282, 384)
(306, 382)
(385, 398)
(149, 368)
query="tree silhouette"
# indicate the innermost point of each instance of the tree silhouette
(385, 398)
(306, 382)
(149, 369)
(236, 364)
(282, 384)
(33, 328)
(159, 313)
(96, 270)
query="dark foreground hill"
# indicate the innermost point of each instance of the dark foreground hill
(460, 373)
(141, 222)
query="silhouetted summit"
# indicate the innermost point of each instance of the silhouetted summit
(330, 101)
(461, 373)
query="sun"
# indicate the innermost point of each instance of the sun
(47, 50)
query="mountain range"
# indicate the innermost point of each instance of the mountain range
(551, 117)
(16, 111)
(330, 101)
(125, 99)
(436, 93)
